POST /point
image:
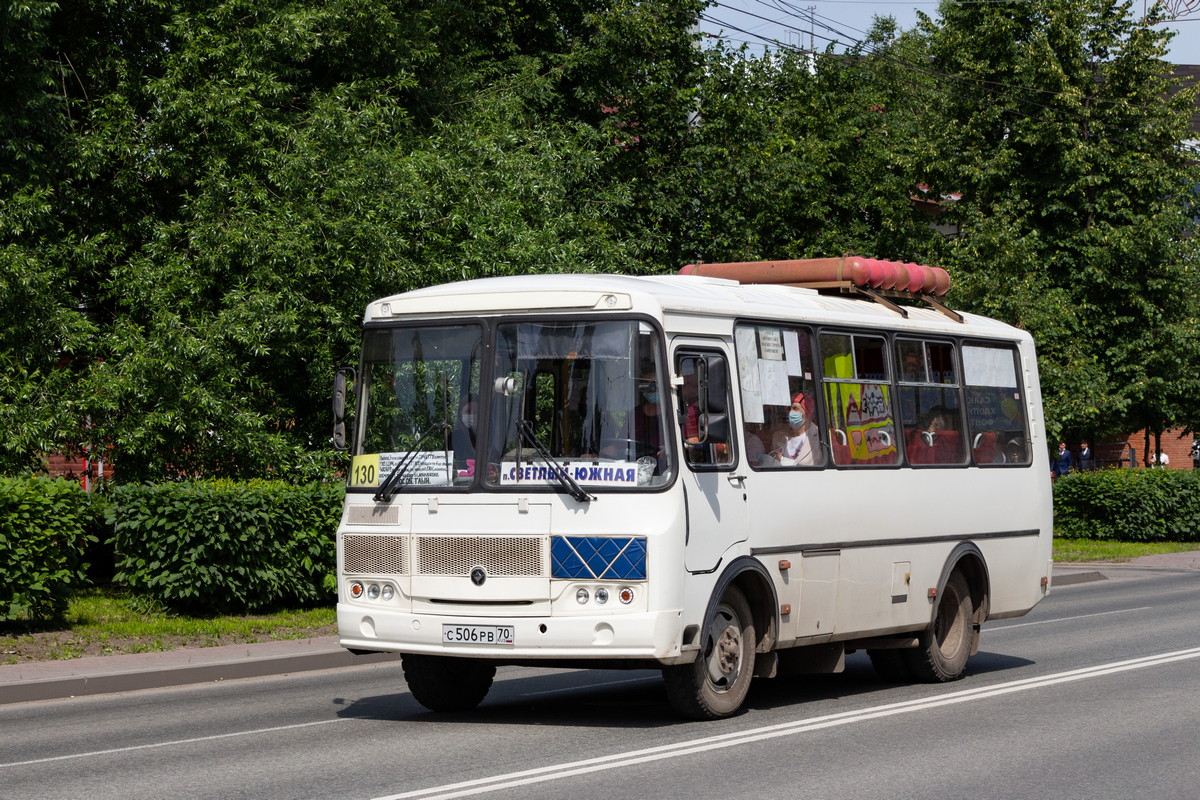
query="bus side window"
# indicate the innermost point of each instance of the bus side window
(995, 408)
(779, 397)
(930, 406)
(859, 399)
(704, 410)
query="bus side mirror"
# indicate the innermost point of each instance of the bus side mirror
(339, 407)
(714, 428)
(714, 387)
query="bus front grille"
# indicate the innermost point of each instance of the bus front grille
(375, 555)
(510, 556)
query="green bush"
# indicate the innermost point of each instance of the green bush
(1129, 505)
(45, 527)
(213, 547)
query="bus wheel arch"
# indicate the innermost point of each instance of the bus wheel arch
(738, 624)
(959, 608)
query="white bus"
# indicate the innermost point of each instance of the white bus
(717, 478)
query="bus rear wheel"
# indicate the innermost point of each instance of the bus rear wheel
(716, 684)
(443, 683)
(945, 645)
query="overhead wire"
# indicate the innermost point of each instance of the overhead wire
(991, 86)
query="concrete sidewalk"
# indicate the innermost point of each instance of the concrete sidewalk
(48, 680)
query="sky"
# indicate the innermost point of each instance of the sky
(788, 22)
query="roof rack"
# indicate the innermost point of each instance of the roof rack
(876, 279)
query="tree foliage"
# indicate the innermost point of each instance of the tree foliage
(802, 154)
(209, 192)
(197, 197)
(1063, 133)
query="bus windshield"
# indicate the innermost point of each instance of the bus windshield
(566, 404)
(584, 397)
(419, 390)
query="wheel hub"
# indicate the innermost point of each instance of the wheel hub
(726, 656)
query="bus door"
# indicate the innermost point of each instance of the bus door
(715, 491)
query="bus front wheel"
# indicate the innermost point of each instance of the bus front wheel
(716, 683)
(945, 645)
(443, 683)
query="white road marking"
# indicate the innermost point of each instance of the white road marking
(590, 685)
(153, 745)
(1064, 619)
(699, 745)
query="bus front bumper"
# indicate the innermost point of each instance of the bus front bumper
(640, 635)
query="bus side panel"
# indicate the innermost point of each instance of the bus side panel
(843, 533)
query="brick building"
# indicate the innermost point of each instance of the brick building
(1131, 451)
(86, 471)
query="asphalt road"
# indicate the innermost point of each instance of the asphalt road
(1093, 695)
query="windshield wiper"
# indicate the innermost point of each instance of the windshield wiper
(393, 479)
(573, 488)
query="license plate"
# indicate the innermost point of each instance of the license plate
(477, 634)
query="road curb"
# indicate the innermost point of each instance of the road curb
(1072, 578)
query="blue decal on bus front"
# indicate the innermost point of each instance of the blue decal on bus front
(598, 557)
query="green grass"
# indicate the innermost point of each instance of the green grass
(1094, 550)
(108, 622)
(118, 614)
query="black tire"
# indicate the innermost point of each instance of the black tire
(716, 683)
(890, 665)
(442, 683)
(946, 644)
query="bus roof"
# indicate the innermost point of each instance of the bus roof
(663, 296)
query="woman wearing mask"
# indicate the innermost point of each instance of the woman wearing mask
(798, 444)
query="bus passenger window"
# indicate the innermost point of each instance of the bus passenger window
(858, 399)
(995, 404)
(930, 405)
(779, 397)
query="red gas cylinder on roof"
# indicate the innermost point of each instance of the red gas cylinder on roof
(870, 273)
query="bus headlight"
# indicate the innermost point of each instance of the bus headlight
(581, 596)
(601, 596)
(388, 593)
(373, 591)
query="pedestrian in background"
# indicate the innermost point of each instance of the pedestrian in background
(1062, 462)
(1086, 460)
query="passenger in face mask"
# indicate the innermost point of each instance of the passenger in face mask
(798, 444)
